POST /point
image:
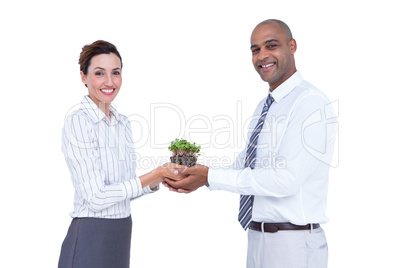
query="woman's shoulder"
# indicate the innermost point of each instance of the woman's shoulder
(123, 118)
(77, 115)
(78, 122)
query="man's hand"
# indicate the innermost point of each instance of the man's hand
(192, 178)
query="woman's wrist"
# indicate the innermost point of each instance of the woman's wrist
(158, 173)
(157, 176)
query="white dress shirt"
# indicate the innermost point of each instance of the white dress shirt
(100, 156)
(295, 148)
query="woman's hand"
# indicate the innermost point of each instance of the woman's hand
(190, 180)
(167, 170)
(171, 171)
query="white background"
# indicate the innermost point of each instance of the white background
(194, 55)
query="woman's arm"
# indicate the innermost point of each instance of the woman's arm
(82, 154)
(151, 179)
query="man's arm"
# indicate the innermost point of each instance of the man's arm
(307, 145)
(278, 182)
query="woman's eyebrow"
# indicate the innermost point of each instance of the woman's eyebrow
(117, 68)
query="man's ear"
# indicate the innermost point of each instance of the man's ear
(293, 46)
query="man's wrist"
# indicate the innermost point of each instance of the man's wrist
(206, 176)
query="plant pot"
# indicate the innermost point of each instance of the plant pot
(184, 160)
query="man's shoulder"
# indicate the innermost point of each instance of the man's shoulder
(306, 90)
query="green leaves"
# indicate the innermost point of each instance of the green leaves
(183, 147)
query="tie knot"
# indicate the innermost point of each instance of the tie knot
(269, 100)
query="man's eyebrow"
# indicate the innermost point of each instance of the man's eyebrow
(269, 41)
(265, 42)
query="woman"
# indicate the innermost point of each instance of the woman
(99, 152)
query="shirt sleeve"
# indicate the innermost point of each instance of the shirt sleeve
(307, 144)
(146, 189)
(81, 151)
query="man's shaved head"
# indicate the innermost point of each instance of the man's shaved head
(273, 48)
(284, 27)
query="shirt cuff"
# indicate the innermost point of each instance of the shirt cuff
(132, 188)
(148, 190)
(223, 179)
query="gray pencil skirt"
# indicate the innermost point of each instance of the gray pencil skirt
(97, 243)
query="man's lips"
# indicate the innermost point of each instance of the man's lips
(266, 66)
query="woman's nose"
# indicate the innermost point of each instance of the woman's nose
(109, 80)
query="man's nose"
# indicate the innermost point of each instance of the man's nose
(264, 54)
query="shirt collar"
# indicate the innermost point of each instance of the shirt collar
(286, 87)
(96, 114)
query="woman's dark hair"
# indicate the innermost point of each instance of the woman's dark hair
(94, 49)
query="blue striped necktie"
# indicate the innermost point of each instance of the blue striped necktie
(246, 201)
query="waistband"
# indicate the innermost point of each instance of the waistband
(274, 227)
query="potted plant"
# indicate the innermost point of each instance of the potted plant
(184, 152)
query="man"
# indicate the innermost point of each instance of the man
(282, 174)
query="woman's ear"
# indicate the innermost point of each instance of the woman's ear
(83, 78)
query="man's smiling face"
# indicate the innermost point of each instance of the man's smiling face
(273, 53)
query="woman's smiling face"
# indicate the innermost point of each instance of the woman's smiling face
(103, 78)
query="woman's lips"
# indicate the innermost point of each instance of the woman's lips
(107, 91)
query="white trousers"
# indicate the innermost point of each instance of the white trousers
(287, 249)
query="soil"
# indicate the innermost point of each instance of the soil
(184, 160)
